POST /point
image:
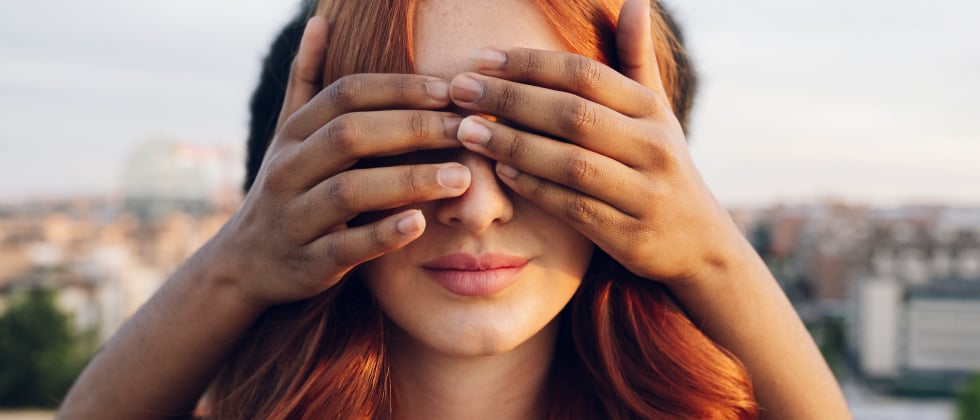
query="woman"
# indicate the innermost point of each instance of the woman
(447, 230)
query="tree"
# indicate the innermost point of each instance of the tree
(968, 400)
(40, 355)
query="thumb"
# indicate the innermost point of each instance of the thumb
(307, 69)
(634, 45)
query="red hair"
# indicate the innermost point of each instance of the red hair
(625, 350)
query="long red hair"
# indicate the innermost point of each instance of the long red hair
(625, 350)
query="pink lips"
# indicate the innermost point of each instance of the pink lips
(469, 275)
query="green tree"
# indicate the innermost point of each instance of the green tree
(40, 354)
(968, 400)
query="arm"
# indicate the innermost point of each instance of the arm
(741, 307)
(734, 298)
(158, 364)
(288, 241)
(624, 178)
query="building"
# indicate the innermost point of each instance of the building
(917, 307)
(102, 264)
(163, 177)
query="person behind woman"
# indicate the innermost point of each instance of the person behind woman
(543, 257)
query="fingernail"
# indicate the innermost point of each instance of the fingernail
(506, 170)
(411, 224)
(473, 132)
(452, 126)
(488, 59)
(437, 90)
(466, 89)
(455, 177)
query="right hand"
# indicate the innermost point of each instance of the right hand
(289, 240)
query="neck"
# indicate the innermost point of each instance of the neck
(433, 385)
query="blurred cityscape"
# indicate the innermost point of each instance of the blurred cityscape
(104, 256)
(892, 295)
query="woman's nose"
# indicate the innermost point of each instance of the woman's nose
(483, 204)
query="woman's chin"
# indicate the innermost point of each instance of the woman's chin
(473, 339)
(480, 347)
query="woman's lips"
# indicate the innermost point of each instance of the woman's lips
(469, 275)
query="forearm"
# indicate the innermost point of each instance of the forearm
(739, 305)
(160, 361)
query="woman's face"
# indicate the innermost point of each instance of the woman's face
(491, 270)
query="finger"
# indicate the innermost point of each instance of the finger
(307, 69)
(593, 218)
(366, 92)
(347, 248)
(634, 46)
(568, 72)
(342, 197)
(357, 135)
(587, 172)
(558, 114)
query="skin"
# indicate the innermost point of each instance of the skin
(621, 178)
(455, 356)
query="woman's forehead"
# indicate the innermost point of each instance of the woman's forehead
(446, 31)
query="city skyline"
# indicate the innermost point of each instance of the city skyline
(870, 102)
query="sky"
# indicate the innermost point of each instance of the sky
(869, 101)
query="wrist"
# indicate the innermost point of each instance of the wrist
(730, 263)
(219, 277)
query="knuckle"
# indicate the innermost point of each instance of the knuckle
(577, 116)
(649, 104)
(662, 151)
(345, 90)
(268, 182)
(348, 248)
(656, 135)
(342, 193)
(409, 179)
(539, 191)
(418, 126)
(667, 161)
(276, 173)
(579, 169)
(379, 240)
(515, 149)
(584, 74)
(528, 64)
(508, 99)
(404, 87)
(343, 133)
(580, 210)
(289, 129)
(337, 252)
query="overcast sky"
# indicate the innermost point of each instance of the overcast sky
(872, 100)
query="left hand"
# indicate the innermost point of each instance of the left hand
(623, 176)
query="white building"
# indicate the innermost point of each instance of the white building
(161, 177)
(917, 313)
